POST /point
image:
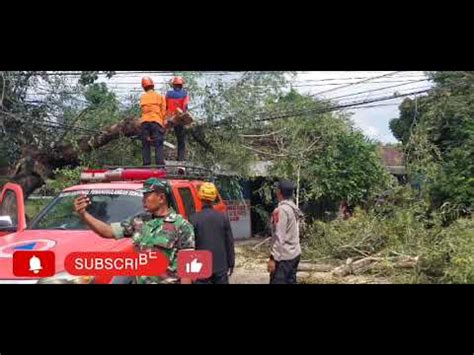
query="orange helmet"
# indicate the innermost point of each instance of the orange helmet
(147, 82)
(177, 80)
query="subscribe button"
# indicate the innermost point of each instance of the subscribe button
(116, 264)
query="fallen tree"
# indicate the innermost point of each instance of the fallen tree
(37, 165)
(307, 267)
(360, 266)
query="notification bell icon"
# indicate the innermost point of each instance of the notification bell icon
(35, 264)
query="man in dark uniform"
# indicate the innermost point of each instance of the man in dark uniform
(213, 232)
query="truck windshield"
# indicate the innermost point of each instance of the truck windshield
(107, 205)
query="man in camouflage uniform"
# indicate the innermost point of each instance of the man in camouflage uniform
(160, 228)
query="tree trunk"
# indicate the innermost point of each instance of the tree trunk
(365, 264)
(314, 267)
(129, 127)
(298, 187)
(36, 166)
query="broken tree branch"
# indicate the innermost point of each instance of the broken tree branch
(261, 135)
(262, 152)
(73, 122)
(3, 89)
(310, 146)
(314, 267)
(365, 264)
(261, 243)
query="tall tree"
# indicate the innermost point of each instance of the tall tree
(324, 151)
(438, 134)
(67, 120)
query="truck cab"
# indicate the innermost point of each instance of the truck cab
(57, 228)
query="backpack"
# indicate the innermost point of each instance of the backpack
(300, 219)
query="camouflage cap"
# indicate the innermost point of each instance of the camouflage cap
(154, 185)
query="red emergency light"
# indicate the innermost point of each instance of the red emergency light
(135, 174)
(101, 175)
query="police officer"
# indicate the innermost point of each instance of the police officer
(285, 249)
(160, 228)
(213, 232)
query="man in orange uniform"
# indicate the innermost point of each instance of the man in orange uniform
(178, 99)
(153, 107)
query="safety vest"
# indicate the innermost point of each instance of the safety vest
(153, 107)
(176, 99)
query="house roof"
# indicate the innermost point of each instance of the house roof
(391, 156)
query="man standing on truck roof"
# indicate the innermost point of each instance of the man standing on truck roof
(178, 99)
(213, 232)
(160, 228)
(153, 106)
(286, 249)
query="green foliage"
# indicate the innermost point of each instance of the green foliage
(102, 110)
(335, 160)
(229, 110)
(20, 118)
(409, 111)
(229, 188)
(438, 135)
(365, 234)
(122, 151)
(33, 207)
(448, 254)
(36, 105)
(89, 77)
(64, 178)
(3, 155)
(400, 224)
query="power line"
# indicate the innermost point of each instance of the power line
(377, 105)
(348, 95)
(356, 83)
(120, 85)
(111, 84)
(341, 106)
(378, 89)
(50, 124)
(156, 73)
(355, 105)
(164, 73)
(287, 114)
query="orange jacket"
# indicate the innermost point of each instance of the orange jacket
(153, 107)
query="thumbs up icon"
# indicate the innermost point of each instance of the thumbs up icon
(35, 264)
(194, 264)
(194, 267)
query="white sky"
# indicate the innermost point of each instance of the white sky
(373, 121)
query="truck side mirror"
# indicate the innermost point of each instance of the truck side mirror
(6, 222)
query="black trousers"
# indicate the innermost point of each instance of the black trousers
(181, 137)
(285, 271)
(218, 278)
(153, 135)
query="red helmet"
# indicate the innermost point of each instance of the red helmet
(177, 80)
(147, 82)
